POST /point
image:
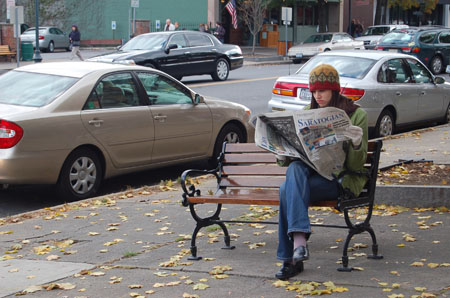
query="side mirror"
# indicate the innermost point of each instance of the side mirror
(439, 80)
(170, 47)
(198, 99)
(334, 41)
(118, 48)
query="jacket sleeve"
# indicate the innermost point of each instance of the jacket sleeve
(356, 158)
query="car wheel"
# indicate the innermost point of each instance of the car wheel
(230, 133)
(446, 118)
(51, 47)
(436, 65)
(326, 50)
(385, 124)
(222, 70)
(80, 175)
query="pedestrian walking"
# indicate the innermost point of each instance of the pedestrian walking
(177, 26)
(220, 32)
(169, 26)
(351, 28)
(359, 28)
(303, 185)
(75, 41)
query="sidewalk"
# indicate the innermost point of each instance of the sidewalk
(135, 244)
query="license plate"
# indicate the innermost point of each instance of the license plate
(299, 55)
(304, 94)
(393, 50)
(277, 109)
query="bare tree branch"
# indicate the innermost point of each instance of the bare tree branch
(252, 12)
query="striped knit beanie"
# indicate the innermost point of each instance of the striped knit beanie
(324, 77)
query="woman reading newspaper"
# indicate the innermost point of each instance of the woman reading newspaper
(303, 185)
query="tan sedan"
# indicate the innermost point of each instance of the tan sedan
(75, 123)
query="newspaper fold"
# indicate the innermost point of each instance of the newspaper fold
(314, 136)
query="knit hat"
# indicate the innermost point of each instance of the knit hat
(324, 77)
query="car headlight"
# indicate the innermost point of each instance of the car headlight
(127, 62)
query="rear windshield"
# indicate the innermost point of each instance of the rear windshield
(399, 37)
(344, 65)
(376, 31)
(146, 42)
(32, 89)
(319, 38)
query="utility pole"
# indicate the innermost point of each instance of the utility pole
(37, 54)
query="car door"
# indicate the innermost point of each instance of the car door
(337, 42)
(175, 61)
(429, 95)
(444, 47)
(203, 53)
(115, 117)
(348, 43)
(182, 129)
(397, 90)
(62, 39)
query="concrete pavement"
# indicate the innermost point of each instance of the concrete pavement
(136, 244)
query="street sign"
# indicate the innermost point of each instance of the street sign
(135, 3)
(13, 15)
(113, 25)
(158, 24)
(9, 5)
(286, 14)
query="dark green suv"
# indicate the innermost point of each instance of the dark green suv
(431, 45)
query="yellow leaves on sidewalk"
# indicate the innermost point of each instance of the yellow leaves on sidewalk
(310, 288)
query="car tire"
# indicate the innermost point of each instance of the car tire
(80, 176)
(230, 133)
(296, 61)
(326, 50)
(436, 65)
(51, 47)
(446, 118)
(221, 70)
(385, 124)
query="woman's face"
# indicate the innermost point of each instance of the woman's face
(323, 97)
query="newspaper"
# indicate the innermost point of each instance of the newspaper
(314, 136)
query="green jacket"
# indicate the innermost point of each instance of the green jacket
(355, 158)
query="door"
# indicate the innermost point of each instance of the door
(444, 47)
(430, 96)
(397, 90)
(175, 62)
(203, 53)
(116, 118)
(62, 39)
(182, 129)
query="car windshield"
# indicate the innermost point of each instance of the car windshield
(32, 89)
(343, 64)
(375, 31)
(319, 38)
(146, 42)
(398, 37)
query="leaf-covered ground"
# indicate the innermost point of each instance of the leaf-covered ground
(421, 173)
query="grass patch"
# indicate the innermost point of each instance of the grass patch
(130, 254)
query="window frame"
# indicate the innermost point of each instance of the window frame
(405, 67)
(197, 34)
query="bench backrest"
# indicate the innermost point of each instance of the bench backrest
(245, 165)
(5, 49)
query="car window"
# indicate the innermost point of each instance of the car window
(198, 40)
(59, 31)
(32, 89)
(398, 37)
(114, 91)
(319, 38)
(145, 42)
(393, 72)
(179, 40)
(337, 37)
(444, 37)
(346, 37)
(52, 31)
(343, 64)
(420, 74)
(427, 37)
(163, 91)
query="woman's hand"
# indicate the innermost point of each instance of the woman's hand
(355, 134)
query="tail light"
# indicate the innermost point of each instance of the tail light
(287, 89)
(41, 37)
(10, 134)
(379, 48)
(406, 50)
(352, 93)
(415, 50)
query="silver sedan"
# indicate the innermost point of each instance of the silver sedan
(75, 123)
(50, 38)
(395, 89)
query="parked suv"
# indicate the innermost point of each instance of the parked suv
(372, 35)
(431, 45)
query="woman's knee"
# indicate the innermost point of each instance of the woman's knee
(297, 168)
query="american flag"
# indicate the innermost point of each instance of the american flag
(231, 7)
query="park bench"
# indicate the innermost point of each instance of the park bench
(249, 175)
(6, 51)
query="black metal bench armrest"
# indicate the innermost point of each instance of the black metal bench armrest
(191, 191)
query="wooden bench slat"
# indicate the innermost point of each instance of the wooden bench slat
(250, 158)
(255, 170)
(243, 148)
(246, 181)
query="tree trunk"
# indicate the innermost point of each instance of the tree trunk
(254, 42)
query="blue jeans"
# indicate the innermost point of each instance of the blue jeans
(302, 186)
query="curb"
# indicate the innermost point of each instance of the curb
(413, 196)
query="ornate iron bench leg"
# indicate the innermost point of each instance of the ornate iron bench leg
(345, 267)
(193, 246)
(226, 236)
(374, 255)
